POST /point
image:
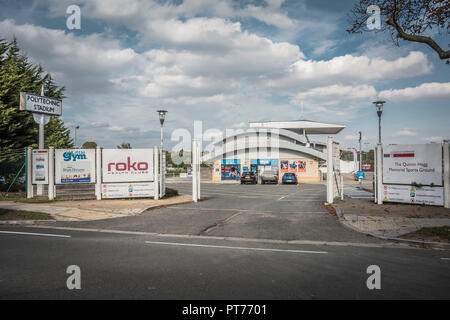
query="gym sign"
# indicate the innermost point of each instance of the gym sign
(39, 104)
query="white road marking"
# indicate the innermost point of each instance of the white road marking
(36, 234)
(233, 248)
(447, 259)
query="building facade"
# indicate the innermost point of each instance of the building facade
(276, 146)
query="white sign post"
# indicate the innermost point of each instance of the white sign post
(195, 170)
(446, 154)
(41, 107)
(39, 173)
(330, 171)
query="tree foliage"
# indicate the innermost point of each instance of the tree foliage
(89, 145)
(410, 20)
(18, 128)
(124, 145)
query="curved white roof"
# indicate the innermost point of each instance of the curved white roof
(300, 126)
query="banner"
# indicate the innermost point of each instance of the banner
(128, 190)
(127, 165)
(414, 195)
(74, 166)
(413, 164)
(39, 173)
(293, 165)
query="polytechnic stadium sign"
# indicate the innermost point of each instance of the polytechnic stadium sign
(39, 104)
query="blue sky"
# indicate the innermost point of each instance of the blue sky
(227, 63)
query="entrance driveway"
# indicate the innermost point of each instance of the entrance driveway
(277, 212)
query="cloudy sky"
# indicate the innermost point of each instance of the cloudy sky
(226, 63)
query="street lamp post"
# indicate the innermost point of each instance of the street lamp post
(75, 135)
(379, 105)
(162, 117)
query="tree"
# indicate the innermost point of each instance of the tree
(410, 20)
(18, 128)
(57, 135)
(124, 145)
(89, 145)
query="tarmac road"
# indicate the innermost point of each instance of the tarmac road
(231, 246)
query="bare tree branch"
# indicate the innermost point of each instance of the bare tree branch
(416, 38)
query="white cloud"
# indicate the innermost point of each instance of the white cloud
(138, 14)
(81, 63)
(355, 137)
(405, 132)
(433, 139)
(337, 93)
(350, 69)
(433, 90)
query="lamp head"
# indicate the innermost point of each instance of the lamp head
(162, 115)
(379, 105)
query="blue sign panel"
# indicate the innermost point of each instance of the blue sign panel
(264, 162)
(231, 161)
(360, 175)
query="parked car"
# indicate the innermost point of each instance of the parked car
(249, 177)
(289, 177)
(269, 176)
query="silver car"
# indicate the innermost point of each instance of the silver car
(269, 176)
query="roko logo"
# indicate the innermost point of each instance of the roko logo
(128, 166)
(74, 156)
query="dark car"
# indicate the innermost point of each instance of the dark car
(289, 178)
(249, 177)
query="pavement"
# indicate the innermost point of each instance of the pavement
(88, 210)
(393, 220)
(241, 242)
(274, 212)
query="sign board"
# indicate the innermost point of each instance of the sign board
(414, 195)
(128, 190)
(293, 165)
(74, 166)
(35, 103)
(39, 162)
(360, 175)
(127, 165)
(413, 164)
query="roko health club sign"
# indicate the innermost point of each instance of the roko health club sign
(127, 165)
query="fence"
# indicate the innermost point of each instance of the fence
(12, 170)
(95, 173)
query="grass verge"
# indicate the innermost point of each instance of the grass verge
(17, 198)
(433, 234)
(8, 214)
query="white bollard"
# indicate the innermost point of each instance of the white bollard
(330, 171)
(379, 169)
(51, 173)
(156, 171)
(194, 172)
(446, 158)
(29, 174)
(98, 171)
